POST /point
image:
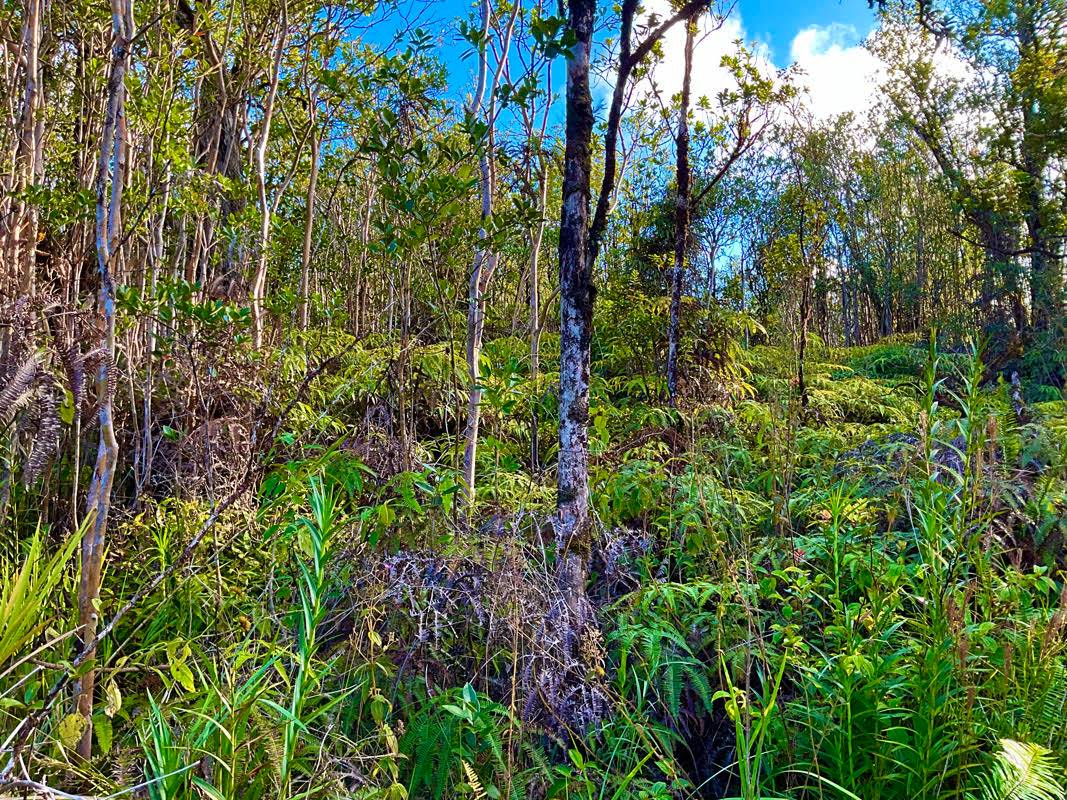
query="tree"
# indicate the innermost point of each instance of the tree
(486, 258)
(681, 214)
(267, 207)
(995, 128)
(110, 182)
(745, 112)
(579, 243)
(576, 293)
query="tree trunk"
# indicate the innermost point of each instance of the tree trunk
(1046, 274)
(576, 294)
(309, 219)
(535, 312)
(156, 252)
(485, 261)
(406, 444)
(259, 283)
(220, 115)
(568, 685)
(565, 693)
(681, 215)
(998, 247)
(108, 229)
(21, 235)
(481, 270)
(363, 290)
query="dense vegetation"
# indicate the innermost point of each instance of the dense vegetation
(360, 441)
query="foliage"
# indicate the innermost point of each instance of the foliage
(828, 563)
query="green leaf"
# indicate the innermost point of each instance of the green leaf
(183, 675)
(71, 729)
(208, 789)
(103, 730)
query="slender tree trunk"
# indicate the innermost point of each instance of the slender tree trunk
(402, 365)
(804, 310)
(681, 214)
(156, 255)
(108, 229)
(535, 312)
(259, 283)
(363, 279)
(21, 245)
(485, 261)
(713, 254)
(566, 693)
(484, 266)
(573, 670)
(309, 220)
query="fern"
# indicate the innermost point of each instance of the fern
(1022, 771)
(270, 740)
(475, 783)
(18, 390)
(1052, 722)
(430, 741)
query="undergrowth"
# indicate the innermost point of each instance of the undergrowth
(856, 596)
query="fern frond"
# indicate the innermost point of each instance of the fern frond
(46, 441)
(475, 783)
(19, 388)
(1023, 771)
(1051, 722)
(272, 744)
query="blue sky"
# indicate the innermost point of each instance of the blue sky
(824, 37)
(777, 23)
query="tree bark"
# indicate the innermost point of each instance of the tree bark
(21, 235)
(220, 117)
(475, 288)
(576, 293)
(681, 214)
(309, 219)
(535, 311)
(259, 283)
(485, 260)
(109, 181)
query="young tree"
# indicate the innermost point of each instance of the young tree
(110, 181)
(743, 113)
(579, 243)
(267, 207)
(19, 241)
(681, 212)
(486, 258)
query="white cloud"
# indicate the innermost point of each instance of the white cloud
(838, 72)
(834, 68)
(715, 39)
